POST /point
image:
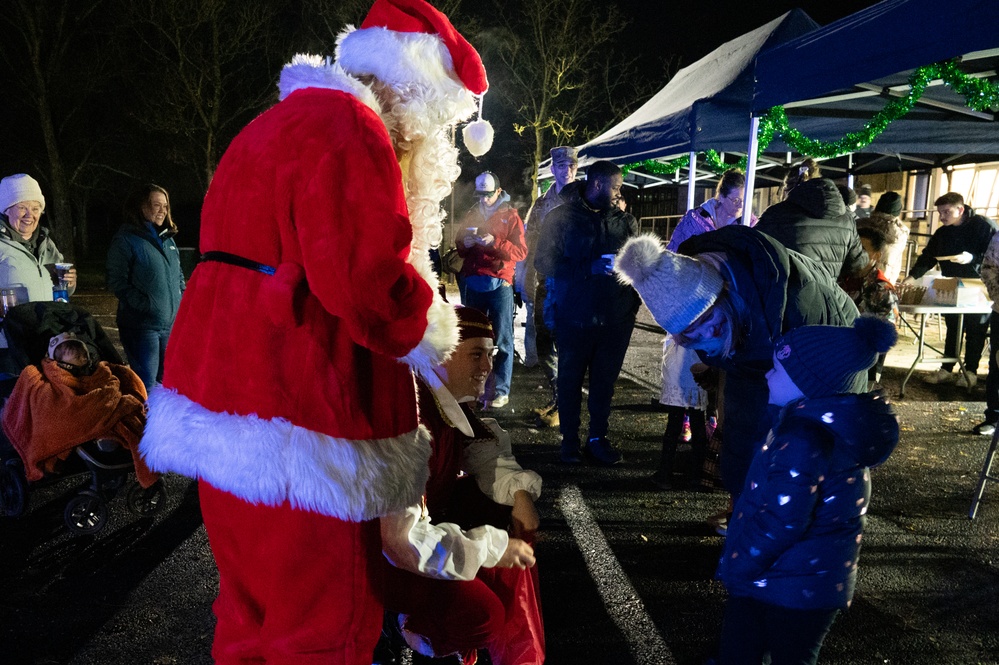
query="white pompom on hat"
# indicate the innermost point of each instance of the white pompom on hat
(676, 288)
(17, 188)
(478, 137)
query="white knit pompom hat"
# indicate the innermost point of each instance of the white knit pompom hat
(676, 288)
(17, 188)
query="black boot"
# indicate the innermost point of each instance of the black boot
(663, 477)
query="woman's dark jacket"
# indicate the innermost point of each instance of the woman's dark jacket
(779, 290)
(795, 531)
(574, 237)
(815, 222)
(146, 276)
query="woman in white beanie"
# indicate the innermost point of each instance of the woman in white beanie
(735, 294)
(27, 252)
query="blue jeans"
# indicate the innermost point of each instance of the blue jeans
(752, 628)
(144, 350)
(498, 306)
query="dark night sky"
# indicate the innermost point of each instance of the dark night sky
(692, 29)
(659, 31)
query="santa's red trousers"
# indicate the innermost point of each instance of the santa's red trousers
(295, 587)
(499, 611)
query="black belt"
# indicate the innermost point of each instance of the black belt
(233, 260)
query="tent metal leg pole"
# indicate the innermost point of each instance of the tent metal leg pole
(754, 144)
(691, 187)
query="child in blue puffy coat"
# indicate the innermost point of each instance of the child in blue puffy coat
(790, 559)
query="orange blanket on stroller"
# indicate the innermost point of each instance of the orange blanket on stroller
(51, 412)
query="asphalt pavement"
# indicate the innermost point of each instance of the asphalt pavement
(626, 571)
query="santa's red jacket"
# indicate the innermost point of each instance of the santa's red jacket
(297, 386)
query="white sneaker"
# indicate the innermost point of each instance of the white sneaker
(966, 380)
(499, 402)
(940, 376)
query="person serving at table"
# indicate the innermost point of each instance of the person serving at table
(959, 247)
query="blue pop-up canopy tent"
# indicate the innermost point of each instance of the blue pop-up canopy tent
(883, 41)
(831, 80)
(705, 106)
(834, 79)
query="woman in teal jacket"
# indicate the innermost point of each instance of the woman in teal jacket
(143, 270)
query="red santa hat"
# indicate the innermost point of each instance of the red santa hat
(409, 41)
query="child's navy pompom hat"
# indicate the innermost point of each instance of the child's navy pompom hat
(827, 360)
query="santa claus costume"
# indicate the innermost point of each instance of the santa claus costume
(288, 389)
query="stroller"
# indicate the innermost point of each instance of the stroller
(28, 329)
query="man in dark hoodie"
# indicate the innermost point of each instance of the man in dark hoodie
(959, 247)
(814, 220)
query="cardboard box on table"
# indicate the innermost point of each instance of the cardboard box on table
(955, 291)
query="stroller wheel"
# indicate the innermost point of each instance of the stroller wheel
(13, 489)
(86, 513)
(148, 501)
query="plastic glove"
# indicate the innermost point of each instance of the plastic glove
(603, 265)
(963, 258)
(909, 281)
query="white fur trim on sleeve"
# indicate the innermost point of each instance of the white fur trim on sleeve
(439, 339)
(272, 461)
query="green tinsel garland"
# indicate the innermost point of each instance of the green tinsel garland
(979, 93)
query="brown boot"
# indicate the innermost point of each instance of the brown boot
(543, 410)
(549, 418)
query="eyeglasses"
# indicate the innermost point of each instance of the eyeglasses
(21, 209)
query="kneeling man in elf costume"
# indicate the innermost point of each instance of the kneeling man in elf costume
(288, 389)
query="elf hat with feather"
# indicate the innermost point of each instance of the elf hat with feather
(407, 42)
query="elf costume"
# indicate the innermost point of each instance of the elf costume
(288, 387)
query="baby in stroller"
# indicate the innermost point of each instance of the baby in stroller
(71, 412)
